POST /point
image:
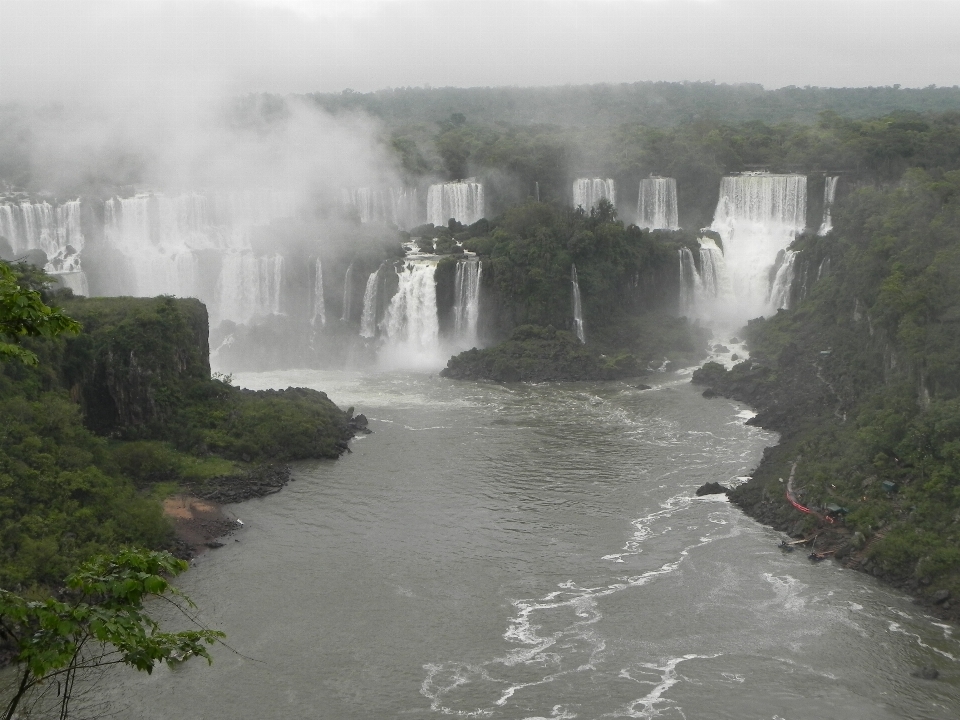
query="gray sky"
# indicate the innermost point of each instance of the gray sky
(137, 50)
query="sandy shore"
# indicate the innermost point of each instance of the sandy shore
(198, 524)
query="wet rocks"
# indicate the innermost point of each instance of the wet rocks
(927, 672)
(712, 488)
(940, 596)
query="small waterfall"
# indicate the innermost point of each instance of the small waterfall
(829, 195)
(701, 289)
(319, 306)
(249, 286)
(536, 190)
(657, 204)
(411, 325)
(368, 321)
(783, 274)
(588, 191)
(689, 281)
(466, 306)
(461, 200)
(347, 294)
(577, 309)
(758, 216)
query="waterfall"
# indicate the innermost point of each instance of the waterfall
(783, 274)
(757, 216)
(577, 309)
(461, 200)
(689, 280)
(411, 326)
(393, 206)
(319, 307)
(466, 305)
(347, 294)
(829, 195)
(588, 191)
(53, 229)
(657, 204)
(157, 241)
(701, 289)
(368, 321)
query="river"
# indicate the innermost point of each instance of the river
(536, 552)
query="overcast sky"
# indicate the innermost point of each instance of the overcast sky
(137, 49)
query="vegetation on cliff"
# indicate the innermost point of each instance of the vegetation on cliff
(862, 379)
(91, 430)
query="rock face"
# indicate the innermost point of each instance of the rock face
(712, 488)
(135, 359)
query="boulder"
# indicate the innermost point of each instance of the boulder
(712, 488)
(927, 672)
(940, 596)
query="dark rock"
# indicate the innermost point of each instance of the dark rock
(712, 488)
(641, 386)
(734, 357)
(710, 393)
(940, 596)
(213, 544)
(734, 340)
(721, 348)
(927, 672)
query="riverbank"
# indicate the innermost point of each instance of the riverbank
(795, 399)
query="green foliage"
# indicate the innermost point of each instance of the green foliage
(101, 620)
(24, 314)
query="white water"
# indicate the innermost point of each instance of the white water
(783, 279)
(577, 309)
(461, 200)
(657, 204)
(466, 306)
(757, 217)
(347, 294)
(587, 192)
(319, 306)
(158, 240)
(393, 206)
(701, 290)
(829, 195)
(368, 321)
(56, 230)
(411, 325)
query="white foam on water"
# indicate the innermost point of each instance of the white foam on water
(653, 703)
(895, 627)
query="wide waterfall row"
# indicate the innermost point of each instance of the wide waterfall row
(56, 230)
(829, 195)
(393, 206)
(160, 243)
(461, 200)
(657, 204)
(587, 192)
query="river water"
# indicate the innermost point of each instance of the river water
(536, 552)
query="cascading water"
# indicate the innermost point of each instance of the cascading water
(577, 309)
(466, 306)
(461, 200)
(757, 217)
(783, 274)
(160, 239)
(368, 321)
(829, 195)
(319, 306)
(587, 192)
(657, 204)
(701, 289)
(347, 294)
(411, 325)
(55, 230)
(394, 206)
